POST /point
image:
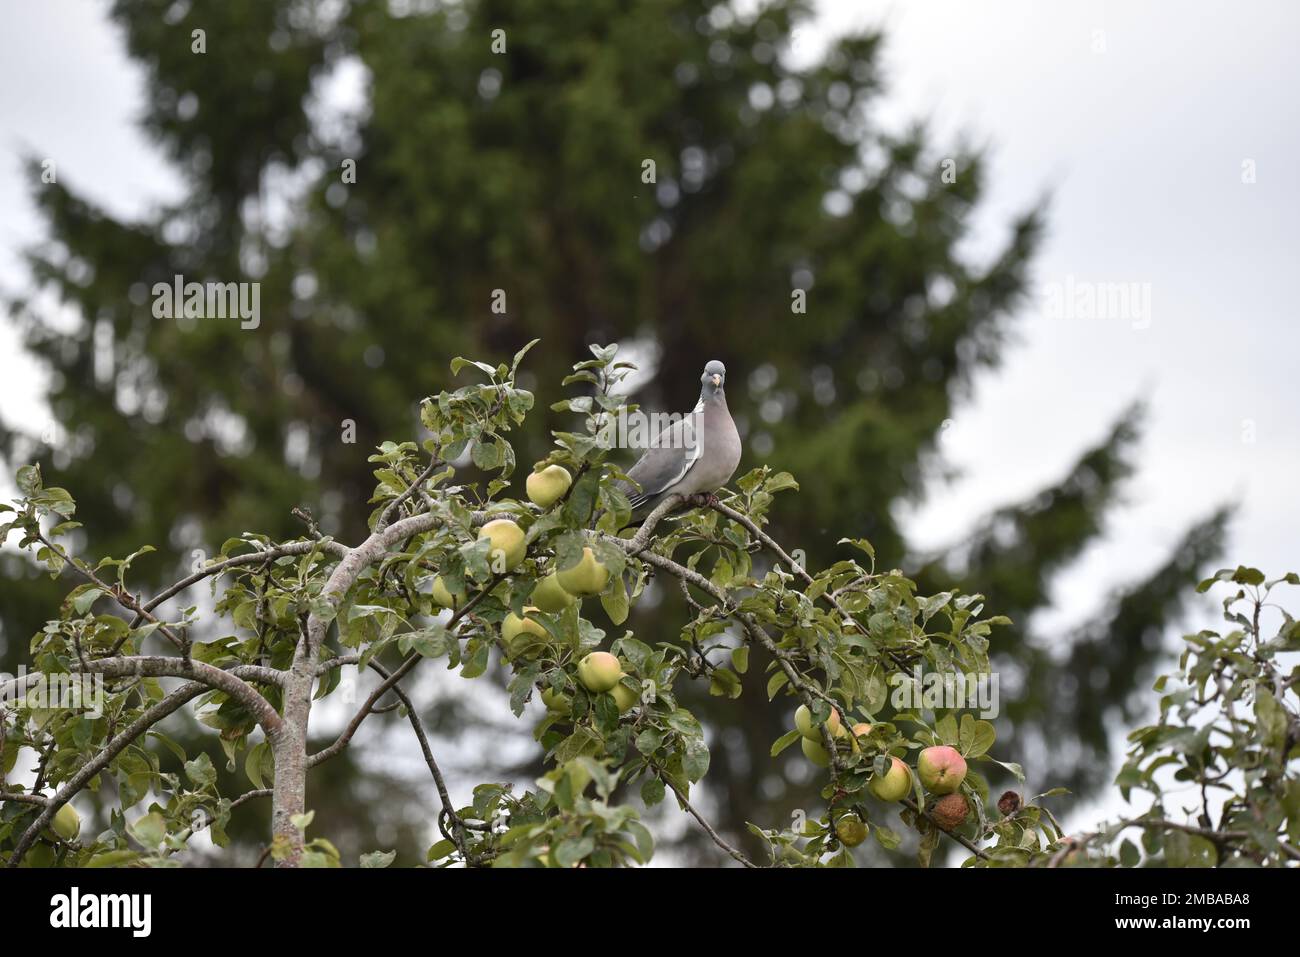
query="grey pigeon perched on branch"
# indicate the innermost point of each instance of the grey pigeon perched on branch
(695, 455)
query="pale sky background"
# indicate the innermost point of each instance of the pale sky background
(1135, 117)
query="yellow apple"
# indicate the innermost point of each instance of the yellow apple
(550, 596)
(546, 487)
(624, 697)
(556, 701)
(443, 596)
(508, 547)
(599, 671)
(815, 753)
(586, 578)
(522, 633)
(895, 784)
(67, 822)
(803, 720)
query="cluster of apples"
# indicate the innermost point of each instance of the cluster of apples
(600, 673)
(556, 591)
(941, 769)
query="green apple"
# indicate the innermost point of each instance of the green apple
(556, 701)
(546, 487)
(803, 720)
(550, 596)
(895, 784)
(624, 697)
(522, 633)
(67, 822)
(599, 671)
(443, 596)
(942, 769)
(850, 830)
(41, 855)
(507, 540)
(815, 753)
(586, 578)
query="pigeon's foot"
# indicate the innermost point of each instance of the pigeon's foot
(704, 500)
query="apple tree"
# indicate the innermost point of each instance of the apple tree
(1222, 762)
(462, 576)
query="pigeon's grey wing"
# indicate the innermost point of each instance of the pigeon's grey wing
(664, 464)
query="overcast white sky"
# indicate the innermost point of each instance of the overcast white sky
(1136, 117)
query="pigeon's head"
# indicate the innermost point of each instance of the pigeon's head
(714, 378)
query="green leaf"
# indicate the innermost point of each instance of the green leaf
(976, 736)
(477, 662)
(259, 765)
(201, 772)
(29, 479)
(615, 601)
(889, 840)
(84, 596)
(740, 659)
(150, 829)
(780, 482)
(947, 731)
(440, 850)
(783, 742)
(1129, 856)
(378, 859)
(113, 859)
(724, 683)
(572, 850)
(1271, 717)
(695, 762)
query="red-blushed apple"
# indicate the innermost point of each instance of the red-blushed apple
(599, 671)
(860, 730)
(894, 784)
(950, 811)
(508, 546)
(942, 769)
(586, 578)
(546, 486)
(850, 830)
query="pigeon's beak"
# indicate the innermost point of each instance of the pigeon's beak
(717, 380)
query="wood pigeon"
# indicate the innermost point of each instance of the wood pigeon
(696, 455)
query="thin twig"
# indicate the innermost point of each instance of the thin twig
(708, 828)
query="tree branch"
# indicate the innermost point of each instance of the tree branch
(417, 485)
(101, 760)
(708, 828)
(798, 570)
(458, 828)
(252, 558)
